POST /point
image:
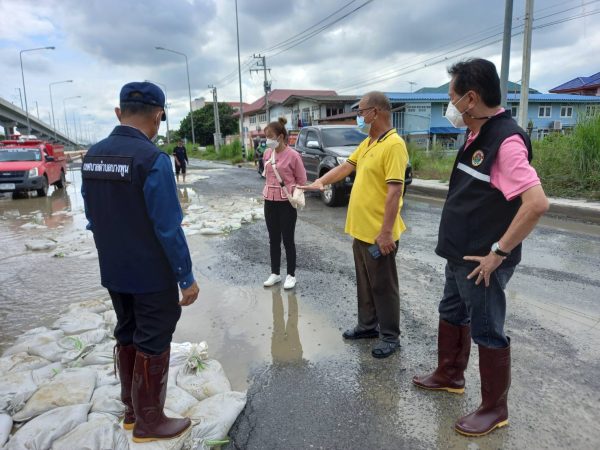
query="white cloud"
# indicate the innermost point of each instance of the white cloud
(104, 44)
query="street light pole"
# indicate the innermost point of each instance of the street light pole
(164, 86)
(23, 78)
(52, 105)
(237, 29)
(65, 110)
(187, 68)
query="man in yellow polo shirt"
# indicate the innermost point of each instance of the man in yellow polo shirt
(374, 222)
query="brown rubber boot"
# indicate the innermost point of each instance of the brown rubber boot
(494, 368)
(125, 360)
(149, 393)
(454, 346)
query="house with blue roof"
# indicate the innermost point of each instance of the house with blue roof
(419, 116)
(580, 86)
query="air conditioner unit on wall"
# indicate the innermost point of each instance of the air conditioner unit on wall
(557, 125)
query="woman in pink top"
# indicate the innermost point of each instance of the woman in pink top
(280, 215)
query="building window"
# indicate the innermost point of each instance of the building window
(566, 111)
(592, 110)
(262, 117)
(252, 120)
(444, 108)
(315, 112)
(334, 110)
(305, 116)
(545, 111)
(514, 111)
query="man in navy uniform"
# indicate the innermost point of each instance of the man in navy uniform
(133, 211)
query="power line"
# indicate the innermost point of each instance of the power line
(445, 56)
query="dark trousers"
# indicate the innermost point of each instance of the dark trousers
(281, 223)
(146, 320)
(484, 308)
(377, 291)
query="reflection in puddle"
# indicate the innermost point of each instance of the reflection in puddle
(285, 342)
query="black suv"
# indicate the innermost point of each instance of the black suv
(324, 147)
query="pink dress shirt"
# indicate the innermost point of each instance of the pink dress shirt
(511, 172)
(291, 169)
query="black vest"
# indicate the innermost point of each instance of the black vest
(114, 172)
(476, 214)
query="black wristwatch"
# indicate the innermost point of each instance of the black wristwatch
(496, 249)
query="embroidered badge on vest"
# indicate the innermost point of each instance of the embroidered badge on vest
(477, 158)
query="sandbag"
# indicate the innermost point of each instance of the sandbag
(110, 317)
(107, 399)
(204, 381)
(96, 416)
(44, 374)
(69, 387)
(15, 389)
(178, 400)
(41, 432)
(77, 322)
(6, 424)
(26, 342)
(20, 362)
(105, 374)
(94, 435)
(93, 306)
(101, 354)
(214, 417)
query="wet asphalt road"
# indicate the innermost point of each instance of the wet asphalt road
(307, 388)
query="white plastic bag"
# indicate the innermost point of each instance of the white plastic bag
(41, 432)
(27, 342)
(100, 355)
(15, 389)
(107, 399)
(69, 387)
(204, 381)
(6, 424)
(20, 362)
(178, 400)
(77, 322)
(94, 435)
(214, 417)
(105, 374)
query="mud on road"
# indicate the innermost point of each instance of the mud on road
(307, 387)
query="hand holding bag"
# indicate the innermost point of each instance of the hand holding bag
(297, 198)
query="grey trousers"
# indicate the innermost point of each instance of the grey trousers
(377, 292)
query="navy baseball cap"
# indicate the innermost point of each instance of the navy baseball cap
(143, 92)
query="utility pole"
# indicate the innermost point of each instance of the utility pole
(524, 104)
(217, 122)
(237, 29)
(267, 84)
(508, 12)
(412, 83)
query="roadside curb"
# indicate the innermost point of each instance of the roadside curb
(559, 207)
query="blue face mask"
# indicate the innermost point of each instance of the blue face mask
(361, 125)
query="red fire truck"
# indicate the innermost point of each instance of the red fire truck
(30, 164)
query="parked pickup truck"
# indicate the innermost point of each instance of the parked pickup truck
(324, 147)
(29, 164)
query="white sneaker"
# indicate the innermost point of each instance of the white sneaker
(273, 279)
(290, 282)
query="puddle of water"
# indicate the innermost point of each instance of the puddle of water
(246, 327)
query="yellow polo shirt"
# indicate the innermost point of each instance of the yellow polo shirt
(383, 161)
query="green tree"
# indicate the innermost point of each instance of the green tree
(204, 124)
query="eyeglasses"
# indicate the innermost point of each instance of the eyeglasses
(361, 112)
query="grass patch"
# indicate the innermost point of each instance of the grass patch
(434, 164)
(230, 152)
(569, 165)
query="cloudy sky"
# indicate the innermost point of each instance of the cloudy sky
(390, 45)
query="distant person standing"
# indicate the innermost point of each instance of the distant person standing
(374, 221)
(181, 159)
(131, 204)
(280, 215)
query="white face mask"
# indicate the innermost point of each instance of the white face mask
(454, 116)
(272, 143)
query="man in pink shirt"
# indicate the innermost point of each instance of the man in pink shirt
(494, 201)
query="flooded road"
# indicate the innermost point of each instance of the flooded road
(307, 387)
